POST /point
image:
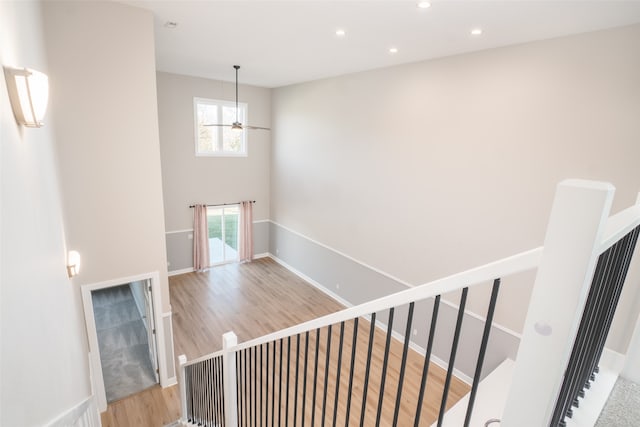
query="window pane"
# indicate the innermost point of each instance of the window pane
(232, 140)
(207, 135)
(231, 219)
(214, 222)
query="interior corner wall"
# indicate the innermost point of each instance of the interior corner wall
(103, 93)
(43, 356)
(188, 179)
(427, 169)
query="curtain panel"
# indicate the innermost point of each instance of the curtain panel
(200, 238)
(246, 231)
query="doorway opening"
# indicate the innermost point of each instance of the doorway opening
(123, 340)
(126, 338)
(223, 226)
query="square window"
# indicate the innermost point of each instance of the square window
(219, 140)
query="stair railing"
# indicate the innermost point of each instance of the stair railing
(583, 268)
(281, 376)
(292, 375)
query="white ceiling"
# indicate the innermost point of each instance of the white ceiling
(283, 42)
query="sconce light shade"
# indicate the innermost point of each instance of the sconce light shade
(29, 94)
(73, 263)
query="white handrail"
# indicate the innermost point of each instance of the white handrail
(619, 225)
(504, 267)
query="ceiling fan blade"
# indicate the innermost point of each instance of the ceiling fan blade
(216, 125)
(255, 127)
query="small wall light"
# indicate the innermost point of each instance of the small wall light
(29, 94)
(73, 263)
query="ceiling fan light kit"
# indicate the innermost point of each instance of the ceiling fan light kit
(237, 126)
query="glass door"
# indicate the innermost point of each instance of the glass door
(223, 222)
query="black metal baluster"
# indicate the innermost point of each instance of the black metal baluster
(215, 400)
(261, 394)
(280, 387)
(315, 379)
(427, 359)
(483, 349)
(255, 387)
(335, 402)
(383, 376)
(213, 391)
(351, 370)
(326, 374)
(252, 418)
(286, 401)
(452, 358)
(239, 387)
(403, 364)
(372, 327)
(295, 402)
(187, 385)
(574, 378)
(266, 400)
(273, 386)
(304, 376)
(247, 395)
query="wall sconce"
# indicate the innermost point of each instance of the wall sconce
(73, 263)
(29, 94)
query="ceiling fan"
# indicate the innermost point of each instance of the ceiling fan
(237, 126)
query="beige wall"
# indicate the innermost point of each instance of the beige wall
(104, 97)
(43, 349)
(188, 179)
(426, 169)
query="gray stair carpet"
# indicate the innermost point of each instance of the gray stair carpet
(623, 407)
(122, 339)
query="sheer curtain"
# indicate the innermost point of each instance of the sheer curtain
(246, 231)
(200, 238)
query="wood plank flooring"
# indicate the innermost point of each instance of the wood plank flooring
(261, 297)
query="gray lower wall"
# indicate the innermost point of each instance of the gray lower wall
(358, 284)
(180, 246)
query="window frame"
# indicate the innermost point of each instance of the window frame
(220, 153)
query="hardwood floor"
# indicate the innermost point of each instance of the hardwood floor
(261, 297)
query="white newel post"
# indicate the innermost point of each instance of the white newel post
(182, 361)
(579, 213)
(229, 340)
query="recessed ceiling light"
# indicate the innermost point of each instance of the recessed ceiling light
(424, 4)
(340, 32)
(393, 50)
(171, 24)
(476, 31)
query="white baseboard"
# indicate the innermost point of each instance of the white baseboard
(183, 271)
(262, 255)
(312, 282)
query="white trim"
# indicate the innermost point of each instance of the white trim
(220, 103)
(312, 282)
(262, 255)
(407, 284)
(94, 349)
(170, 381)
(619, 225)
(86, 409)
(260, 221)
(387, 275)
(186, 230)
(182, 271)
